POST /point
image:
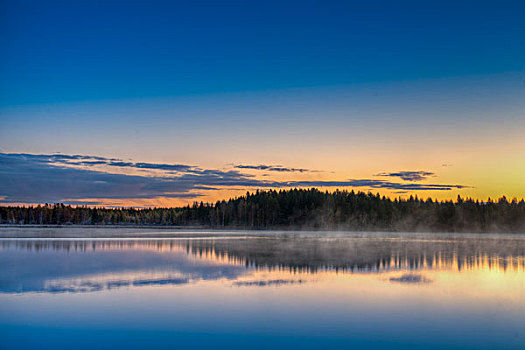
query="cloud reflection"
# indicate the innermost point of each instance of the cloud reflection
(411, 278)
(69, 266)
(267, 283)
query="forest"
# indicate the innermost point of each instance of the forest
(296, 209)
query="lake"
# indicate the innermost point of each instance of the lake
(105, 288)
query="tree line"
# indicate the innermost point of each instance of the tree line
(296, 209)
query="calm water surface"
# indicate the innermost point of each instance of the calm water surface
(179, 289)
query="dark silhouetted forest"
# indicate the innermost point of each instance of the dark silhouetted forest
(297, 209)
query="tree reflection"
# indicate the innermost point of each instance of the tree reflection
(311, 255)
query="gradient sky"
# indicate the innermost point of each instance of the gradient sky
(217, 98)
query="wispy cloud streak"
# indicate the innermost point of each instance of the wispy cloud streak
(30, 178)
(409, 175)
(82, 160)
(370, 183)
(277, 168)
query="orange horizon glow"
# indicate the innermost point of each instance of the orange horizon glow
(166, 202)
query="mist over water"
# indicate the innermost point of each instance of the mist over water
(61, 288)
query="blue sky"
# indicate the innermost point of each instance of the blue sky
(59, 51)
(348, 89)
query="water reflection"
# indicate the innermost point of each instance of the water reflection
(410, 278)
(79, 266)
(368, 291)
(88, 266)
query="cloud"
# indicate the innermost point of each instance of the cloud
(370, 183)
(37, 179)
(29, 178)
(82, 160)
(172, 167)
(278, 168)
(409, 175)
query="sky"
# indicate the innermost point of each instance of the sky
(161, 103)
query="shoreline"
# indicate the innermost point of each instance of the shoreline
(240, 228)
(178, 232)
